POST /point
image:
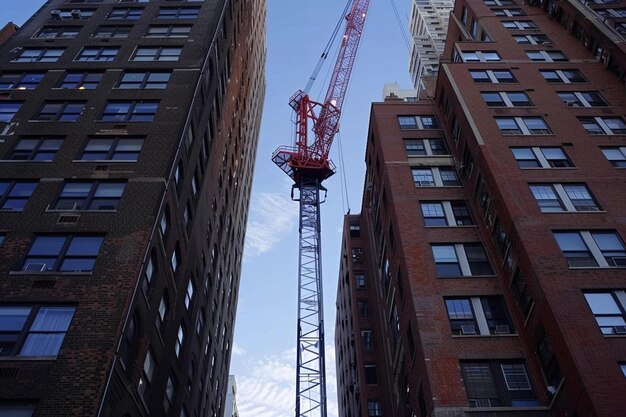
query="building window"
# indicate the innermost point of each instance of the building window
(175, 260)
(39, 55)
(125, 13)
(64, 253)
(622, 366)
(168, 31)
(425, 147)
(149, 366)
(17, 410)
(8, 110)
(359, 279)
(591, 248)
(616, 156)
(170, 391)
(97, 195)
(446, 213)
(189, 293)
(478, 316)
(461, 259)
(61, 111)
(357, 255)
(520, 25)
(129, 111)
(582, 98)
(119, 149)
(374, 409)
(363, 308)
(506, 99)
(164, 306)
(112, 32)
(64, 32)
(367, 339)
(603, 125)
(15, 194)
(355, 230)
(180, 338)
(549, 365)
(157, 53)
(72, 14)
(370, 375)
(33, 330)
(477, 56)
(178, 13)
(540, 157)
(563, 197)
(609, 309)
(566, 76)
(97, 54)
(148, 274)
(497, 384)
(491, 3)
(81, 80)
(538, 39)
(508, 12)
(149, 80)
(492, 76)
(522, 293)
(418, 122)
(435, 177)
(546, 56)
(527, 125)
(42, 149)
(20, 81)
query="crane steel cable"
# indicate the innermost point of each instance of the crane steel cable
(329, 44)
(402, 31)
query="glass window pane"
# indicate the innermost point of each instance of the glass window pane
(76, 189)
(99, 145)
(53, 319)
(444, 253)
(570, 241)
(85, 246)
(13, 318)
(602, 303)
(47, 245)
(608, 241)
(110, 190)
(38, 344)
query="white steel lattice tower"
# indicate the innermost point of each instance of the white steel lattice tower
(428, 26)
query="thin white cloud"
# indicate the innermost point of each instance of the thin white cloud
(268, 388)
(272, 215)
(238, 350)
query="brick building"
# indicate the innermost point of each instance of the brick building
(128, 133)
(488, 274)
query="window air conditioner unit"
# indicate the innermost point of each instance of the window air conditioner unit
(468, 330)
(618, 261)
(56, 14)
(36, 267)
(619, 329)
(503, 329)
(570, 103)
(76, 14)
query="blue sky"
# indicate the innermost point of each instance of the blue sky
(263, 358)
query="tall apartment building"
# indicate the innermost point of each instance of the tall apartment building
(485, 275)
(428, 26)
(128, 133)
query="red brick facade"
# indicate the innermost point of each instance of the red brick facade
(526, 150)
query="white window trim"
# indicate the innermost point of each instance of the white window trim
(579, 95)
(593, 248)
(427, 147)
(546, 56)
(479, 316)
(480, 54)
(532, 41)
(461, 257)
(519, 121)
(438, 181)
(518, 25)
(607, 130)
(504, 95)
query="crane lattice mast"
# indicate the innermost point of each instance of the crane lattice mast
(308, 165)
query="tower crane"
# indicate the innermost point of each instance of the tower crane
(308, 165)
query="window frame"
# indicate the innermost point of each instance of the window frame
(602, 127)
(484, 322)
(89, 197)
(20, 82)
(102, 54)
(39, 148)
(506, 99)
(159, 55)
(8, 110)
(62, 114)
(592, 250)
(145, 83)
(522, 127)
(461, 260)
(447, 214)
(62, 255)
(130, 113)
(505, 395)
(11, 195)
(44, 55)
(565, 199)
(541, 160)
(616, 323)
(88, 80)
(30, 326)
(492, 76)
(621, 162)
(435, 173)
